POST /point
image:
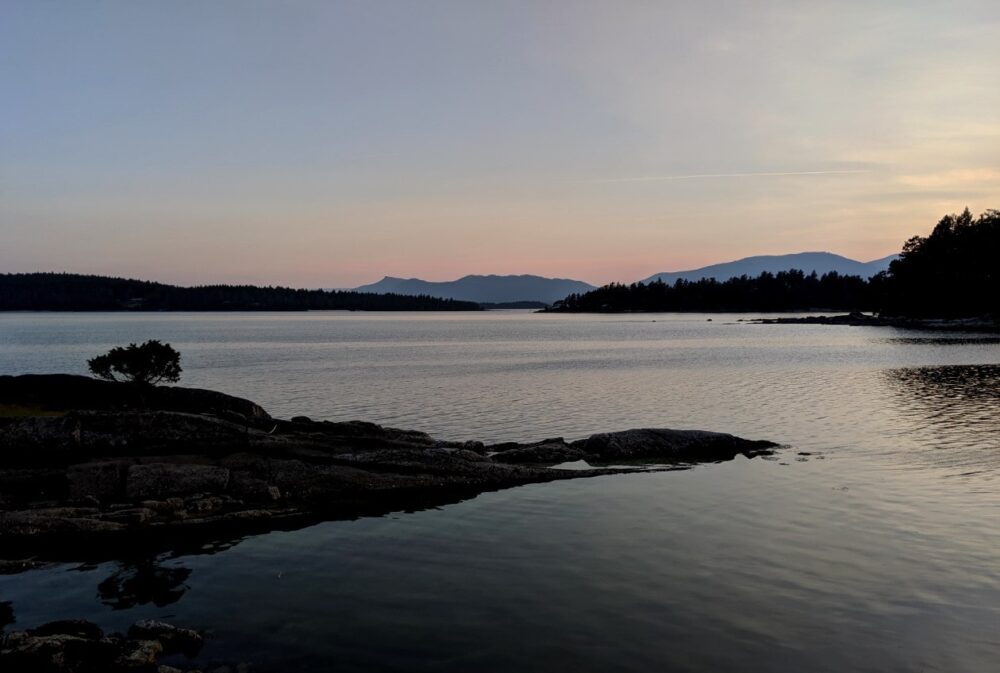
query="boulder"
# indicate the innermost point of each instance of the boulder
(174, 639)
(140, 654)
(78, 646)
(57, 653)
(670, 445)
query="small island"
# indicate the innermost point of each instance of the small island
(77, 292)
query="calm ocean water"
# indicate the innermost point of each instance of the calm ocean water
(877, 551)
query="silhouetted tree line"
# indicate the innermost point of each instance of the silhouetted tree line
(953, 273)
(73, 292)
(782, 291)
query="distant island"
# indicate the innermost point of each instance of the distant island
(74, 292)
(949, 274)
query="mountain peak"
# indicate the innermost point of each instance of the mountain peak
(819, 261)
(484, 289)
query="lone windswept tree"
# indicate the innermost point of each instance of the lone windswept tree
(150, 363)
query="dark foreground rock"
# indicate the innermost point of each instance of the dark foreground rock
(62, 392)
(983, 324)
(660, 445)
(78, 646)
(182, 460)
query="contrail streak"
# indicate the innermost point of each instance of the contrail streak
(698, 176)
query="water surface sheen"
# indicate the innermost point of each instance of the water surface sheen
(879, 550)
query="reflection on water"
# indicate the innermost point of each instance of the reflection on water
(951, 414)
(949, 385)
(6, 614)
(142, 582)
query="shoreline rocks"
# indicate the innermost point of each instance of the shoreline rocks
(79, 646)
(185, 459)
(856, 319)
(656, 444)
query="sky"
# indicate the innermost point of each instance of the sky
(327, 144)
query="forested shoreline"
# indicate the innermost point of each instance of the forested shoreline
(951, 273)
(783, 291)
(75, 292)
(954, 272)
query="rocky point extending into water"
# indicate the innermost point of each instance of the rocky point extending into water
(91, 468)
(82, 458)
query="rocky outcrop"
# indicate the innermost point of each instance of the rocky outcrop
(78, 646)
(983, 324)
(658, 445)
(549, 451)
(674, 446)
(101, 474)
(65, 392)
(149, 481)
(81, 434)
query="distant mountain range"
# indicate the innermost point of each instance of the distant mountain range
(505, 289)
(483, 289)
(820, 262)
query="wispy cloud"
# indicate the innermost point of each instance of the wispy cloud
(699, 176)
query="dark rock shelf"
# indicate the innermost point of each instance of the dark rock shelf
(81, 458)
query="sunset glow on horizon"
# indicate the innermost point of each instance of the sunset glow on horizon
(317, 144)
